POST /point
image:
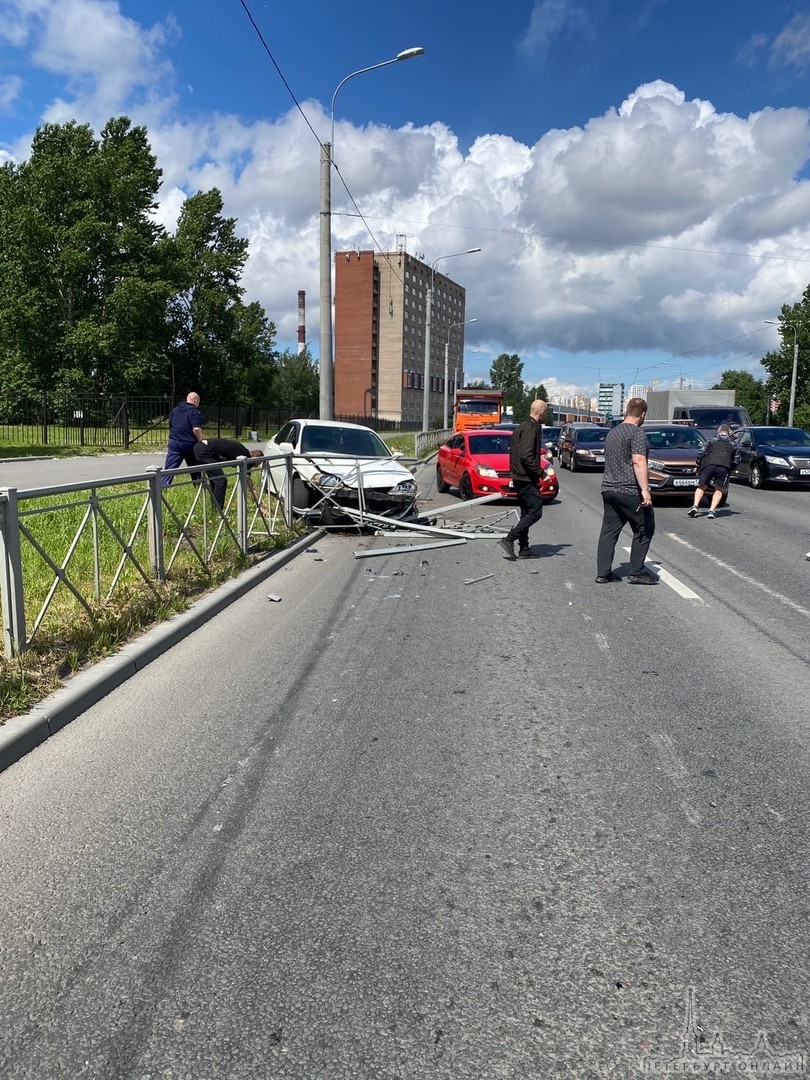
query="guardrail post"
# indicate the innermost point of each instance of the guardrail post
(242, 504)
(288, 498)
(155, 524)
(14, 641)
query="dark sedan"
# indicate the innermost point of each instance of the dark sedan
(772, 455)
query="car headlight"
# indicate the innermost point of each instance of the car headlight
(783, 462)
(323, 480)
(550, 470)
(654, 463)
(485, 470)
(406, 487)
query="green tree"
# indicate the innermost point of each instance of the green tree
(779, 365)
(82, 293)
(750, 392)
(296, 385)
(530, 393)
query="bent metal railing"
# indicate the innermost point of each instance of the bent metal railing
(38, 529)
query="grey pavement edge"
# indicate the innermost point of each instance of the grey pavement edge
(20, 734)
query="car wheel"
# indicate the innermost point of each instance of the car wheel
(572, 464)
(441, 486)
(301, 495)
(465, 487)
(756, 477)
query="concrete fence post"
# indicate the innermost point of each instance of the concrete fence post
(14, 641)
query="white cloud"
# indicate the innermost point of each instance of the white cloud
(552, 19)
(109, 61)
(662, 224)
(791, 47)
(10, 88)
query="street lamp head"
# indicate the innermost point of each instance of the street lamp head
(472, 251)
(408, 54)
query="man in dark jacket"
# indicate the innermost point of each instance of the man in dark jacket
(524, 465)
(210, 451)
(715, 463)
(185, 431)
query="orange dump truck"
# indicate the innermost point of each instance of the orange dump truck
(477, 408)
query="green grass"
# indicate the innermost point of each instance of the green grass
(69, 635)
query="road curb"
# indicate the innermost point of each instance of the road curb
(20, 734)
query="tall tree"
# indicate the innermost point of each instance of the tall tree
(751, 393)
(82, 295)
(218, 344)
(296, 385)
(794, 330)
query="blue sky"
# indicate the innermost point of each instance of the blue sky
(635, 171)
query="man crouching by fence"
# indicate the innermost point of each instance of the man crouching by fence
(211, 451)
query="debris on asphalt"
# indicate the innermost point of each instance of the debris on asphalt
(424, 562)
(475, 580)
(393, 596)
(312, 551)
(274, 597)
(400, 548)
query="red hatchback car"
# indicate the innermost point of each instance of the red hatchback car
(477, 463)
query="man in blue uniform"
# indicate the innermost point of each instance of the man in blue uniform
(185, 431)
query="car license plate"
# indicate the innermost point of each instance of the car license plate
(598, 457)
(805, 472)
(685, 483)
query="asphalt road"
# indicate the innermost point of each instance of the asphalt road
(400, 826)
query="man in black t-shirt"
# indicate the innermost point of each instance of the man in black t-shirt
(209, 451)
(626, 497)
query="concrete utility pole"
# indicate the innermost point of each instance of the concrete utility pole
(326, 368)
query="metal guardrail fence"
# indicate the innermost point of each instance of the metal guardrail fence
(78, 533)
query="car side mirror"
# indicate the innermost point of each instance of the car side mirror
(397, 454)
(286, 447)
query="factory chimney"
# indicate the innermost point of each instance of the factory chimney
(302, 321)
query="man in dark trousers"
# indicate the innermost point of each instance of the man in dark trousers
(524, 465)
(715, 463)
(185, 431)
(209, 452)
(626, 497)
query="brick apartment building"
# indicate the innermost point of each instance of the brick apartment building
(380, 312)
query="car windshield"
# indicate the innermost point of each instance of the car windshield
(490, 444)
(342, 440)
(681, 437)
(713, 417)
(784, 436)
(591, 435)
(480, 406)
(550, 432)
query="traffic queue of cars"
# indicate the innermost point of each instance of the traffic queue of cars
(334, 466)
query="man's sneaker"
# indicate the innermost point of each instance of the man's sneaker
(527, 553)
(642, 577)
(603, 579)
(711, 514)
(509, 547)
(692, 511)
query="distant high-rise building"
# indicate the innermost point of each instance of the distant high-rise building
(638, 390)
(380, 311)
(611, 400)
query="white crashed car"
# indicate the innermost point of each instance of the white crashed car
(330, 460)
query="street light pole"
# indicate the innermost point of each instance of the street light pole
(326, 409)
(452, 326)
(428, 315)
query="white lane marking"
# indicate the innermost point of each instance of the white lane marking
(673, 582)
(570, 586)
(602, 642)
(743, 577)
